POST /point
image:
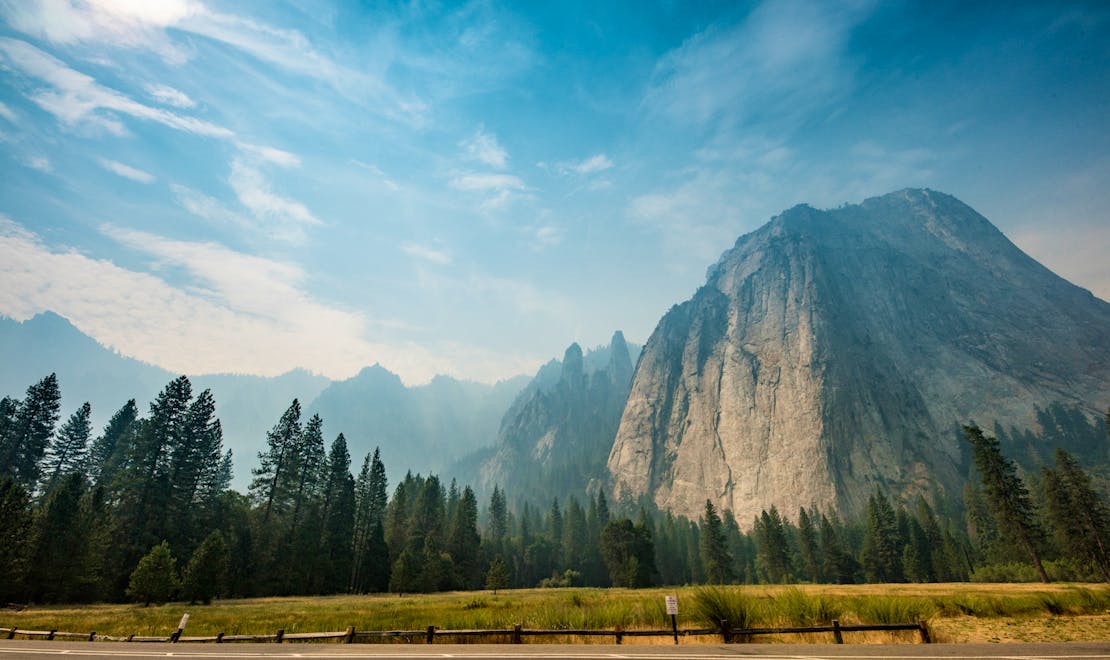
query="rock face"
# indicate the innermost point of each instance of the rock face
(556, 436)
(833, 351)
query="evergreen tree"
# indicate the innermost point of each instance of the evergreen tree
(155, 579)
(206, 574)
(498, 521)
(464, 543)
(1079, 517)
(838, 565)
(57, 565)
(270, 486)
(628, 553)
(66, 455)
(29, 427)
(110, 448)
(808, 551)
(339, 518)
(15, 549)
(772, 547)
(497, 577)
(881, 555)
(370, 507)
(714, 547)
(1007, 496)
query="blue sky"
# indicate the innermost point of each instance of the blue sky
(466, 188)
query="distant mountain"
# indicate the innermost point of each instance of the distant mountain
(87, 371)
(423, 428)
(555, 438)
(832, 352)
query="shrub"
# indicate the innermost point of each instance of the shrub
(717, 605)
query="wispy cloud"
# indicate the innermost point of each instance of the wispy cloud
(209, 208)
(75, 98)
(426, 253)
(126, 171)
(40, 163)
(596, 163)
(783, 60)
(483, 147)
(487, 182)
(170, 96)
(148, 25)
(271, 154)
(7, 113)
(284, 218)
(378, 172)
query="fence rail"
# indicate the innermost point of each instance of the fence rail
(516, 634)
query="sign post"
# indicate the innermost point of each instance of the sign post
(672, 609)
(180, 628)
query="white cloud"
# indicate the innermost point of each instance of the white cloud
(785, 59)
(271, 154)
(283, 218)
(425, 253)
(483, 147)
(75, 98)
(241, 313)
(40, 163)
(548, 236)
(377, 171)
(488, 182)
(170, 96)
(7, 113)
(126, 171)
(209, 208)
(597, 163)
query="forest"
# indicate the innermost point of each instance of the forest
(144, 512)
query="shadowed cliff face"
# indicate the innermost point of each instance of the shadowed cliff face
(833, 351)
(555, 438)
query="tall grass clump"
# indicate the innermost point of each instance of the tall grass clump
(795, 607)
(718, 605)
(892, 609)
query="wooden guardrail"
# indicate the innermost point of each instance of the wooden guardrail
(515, 635)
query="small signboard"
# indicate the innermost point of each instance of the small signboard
(672, 604)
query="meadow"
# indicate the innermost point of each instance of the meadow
(954, 612)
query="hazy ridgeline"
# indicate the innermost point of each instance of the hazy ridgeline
(143, 511)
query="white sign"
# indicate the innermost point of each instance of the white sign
(184, 620)
(672, 604)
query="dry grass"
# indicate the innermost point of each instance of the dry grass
(955, 612)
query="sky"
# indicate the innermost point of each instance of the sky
(467, 188)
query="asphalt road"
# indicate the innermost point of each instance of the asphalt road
(110, 650)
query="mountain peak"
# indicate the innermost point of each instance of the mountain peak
(573, 368)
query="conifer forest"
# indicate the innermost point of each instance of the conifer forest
(142, 510)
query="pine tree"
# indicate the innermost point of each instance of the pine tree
(59, 540)
(206, 574)
(155, 579)
(109, 450)
(15, 546)
(628, 553)
(370, 507)
(1080, 518)
(498, 520)
(882, 552)
(338, 517)
(714, 547)
(838, 565)
(497, 577)
(66, 454)
(772, 547)
(1007, 496)
(464, 543)
(30, 425)
(270, 486)
(808, 551)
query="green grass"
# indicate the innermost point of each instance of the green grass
(572, 608)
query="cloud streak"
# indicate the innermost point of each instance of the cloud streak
(126, 171)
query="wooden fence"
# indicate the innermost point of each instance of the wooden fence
(514, 635)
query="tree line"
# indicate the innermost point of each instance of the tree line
(144, 511)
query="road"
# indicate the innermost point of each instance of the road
(108, 651)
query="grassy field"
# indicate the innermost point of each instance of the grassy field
(955, 612)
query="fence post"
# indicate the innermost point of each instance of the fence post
(516, 632)
(350, 636)
(280, 635)
(726, 631)
(219, 638)
(51, 635)
(925, 639)
(176, 635)
(836, 632)
(11, 633)
(619, 632)
(92, 636)
(431, 636)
